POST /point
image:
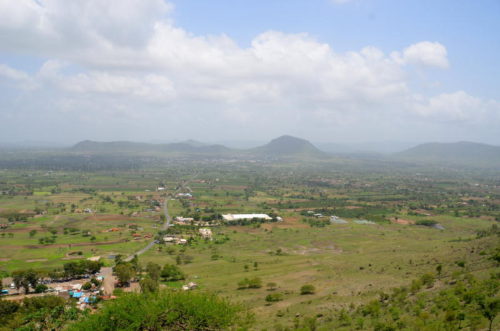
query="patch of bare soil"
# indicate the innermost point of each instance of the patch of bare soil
(402, 221)
(107, 218)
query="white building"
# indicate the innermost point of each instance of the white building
(205, 233)
(237, 217)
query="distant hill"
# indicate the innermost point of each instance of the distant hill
(460, 153)
(288, 146)
(282, 147)
(189, 147)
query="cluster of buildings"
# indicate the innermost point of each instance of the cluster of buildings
(205, 233)
(175, 240)
(179, 220)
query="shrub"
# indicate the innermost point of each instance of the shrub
(428, 280)
(274, 297)
(426, 222)
(41, 288)
(271, 286)
(164, 310)
(172, 273)
(307, 289)
(255, 282)
(87, 286)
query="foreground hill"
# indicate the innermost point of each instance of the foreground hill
(460, 153)
(288, 146)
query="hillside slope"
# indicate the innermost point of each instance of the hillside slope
(460, 153)
(288, 146)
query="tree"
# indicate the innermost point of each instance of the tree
(148, 285)
(489, 308)
(439, 269)
(87, 286)
(32, 233)
(25, 279)
(124, 272)
(255, 282)
(172, 273)
(154, 271)
(307, 289)
(271, 286)
(164, 310)
(41, 288)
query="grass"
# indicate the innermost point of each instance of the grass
(346, 263)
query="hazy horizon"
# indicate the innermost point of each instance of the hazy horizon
(349, 72)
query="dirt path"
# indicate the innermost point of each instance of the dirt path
(109, 280)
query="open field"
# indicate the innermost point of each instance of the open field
(51, 218)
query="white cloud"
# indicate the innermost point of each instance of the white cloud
(426, 53)
(17, 77)
(458, 106)
(129, 58)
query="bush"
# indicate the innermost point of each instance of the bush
(428, 280)
(172, 273)
(307, 289)
(426, 222)
(164, 310)
(87, 286)
(41, 288)
(274, 297)
(255, 282)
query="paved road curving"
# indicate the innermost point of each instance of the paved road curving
(163, 227)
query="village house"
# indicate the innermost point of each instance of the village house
(205, 233)
(184, 195)
(183, 220)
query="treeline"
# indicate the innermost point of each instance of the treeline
(32, 279)
(76, 162)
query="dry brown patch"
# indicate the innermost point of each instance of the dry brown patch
(108, 218)
(402, 221)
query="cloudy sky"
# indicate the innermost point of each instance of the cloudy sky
(325, 70)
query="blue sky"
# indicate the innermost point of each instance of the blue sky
(326, 70)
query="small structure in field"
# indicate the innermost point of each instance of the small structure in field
(169, 239)
(189, 286)
(337, 220)
(183, 220)
(205, 233)
(184, 195)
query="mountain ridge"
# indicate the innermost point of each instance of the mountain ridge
(462, 153)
